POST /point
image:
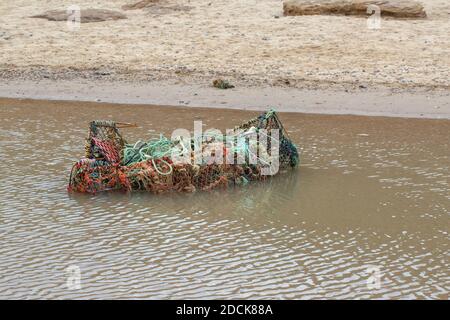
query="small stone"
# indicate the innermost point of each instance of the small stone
(222, 84)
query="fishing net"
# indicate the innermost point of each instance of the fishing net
(111, 163)
(104, 141)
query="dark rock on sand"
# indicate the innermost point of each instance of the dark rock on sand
(86, 15)
(393, 8)
(222, 84)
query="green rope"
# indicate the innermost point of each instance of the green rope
(150, 150)
(157, 149)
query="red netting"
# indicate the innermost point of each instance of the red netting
(107, 149)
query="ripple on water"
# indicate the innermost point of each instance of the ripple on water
(376, 199)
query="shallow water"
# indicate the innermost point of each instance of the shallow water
(369, 192)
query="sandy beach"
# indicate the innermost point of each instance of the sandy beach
(250, 43)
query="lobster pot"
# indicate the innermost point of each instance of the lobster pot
(112, 164)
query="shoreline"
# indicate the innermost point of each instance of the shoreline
(386, 102)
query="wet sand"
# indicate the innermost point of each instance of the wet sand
(378, 102)
(370, 191)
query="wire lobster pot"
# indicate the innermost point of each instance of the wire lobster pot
(252, 151)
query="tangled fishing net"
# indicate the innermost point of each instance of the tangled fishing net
(210, 161)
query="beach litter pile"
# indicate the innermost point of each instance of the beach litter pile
(253, 151)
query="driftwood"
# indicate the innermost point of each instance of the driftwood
(86, 15)
(393, 8)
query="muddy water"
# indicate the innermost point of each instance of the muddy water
(370, 192)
